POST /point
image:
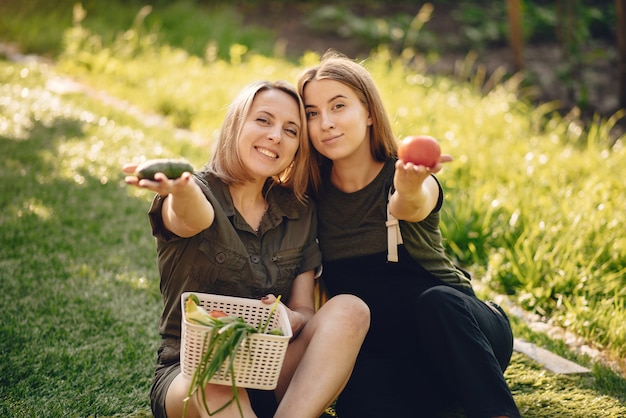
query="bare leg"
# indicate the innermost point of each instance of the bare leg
(216, 395)
(319, 361)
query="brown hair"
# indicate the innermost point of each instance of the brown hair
(337, 67)
(226, 162)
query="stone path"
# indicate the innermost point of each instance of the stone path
(548, 359)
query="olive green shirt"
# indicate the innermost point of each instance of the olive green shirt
(352, 225)
(229, 257)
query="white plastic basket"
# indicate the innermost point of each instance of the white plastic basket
(260, 358)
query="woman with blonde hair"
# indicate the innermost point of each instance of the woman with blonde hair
(244, 227)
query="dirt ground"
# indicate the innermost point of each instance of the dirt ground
(542, 59)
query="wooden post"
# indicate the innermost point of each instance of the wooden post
(516, 41)
(620, 11)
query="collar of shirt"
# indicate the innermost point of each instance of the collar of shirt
(281, 201)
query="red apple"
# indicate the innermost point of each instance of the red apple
(419, 150)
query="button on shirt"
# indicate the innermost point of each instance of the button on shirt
(230, 258)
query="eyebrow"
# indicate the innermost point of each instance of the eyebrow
(273, 116)
(338, 96)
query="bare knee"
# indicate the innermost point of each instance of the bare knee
(348, 311)
(175, 399)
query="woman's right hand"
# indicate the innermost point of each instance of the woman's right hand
(186, 211)
(161, 184)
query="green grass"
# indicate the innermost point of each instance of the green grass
(534, 206)
(39, 25)
(540, 393)
(79, 291)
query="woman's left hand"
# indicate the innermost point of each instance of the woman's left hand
(296, 319)
(409, 177)
(443, 158)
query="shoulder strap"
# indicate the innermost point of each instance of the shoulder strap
(394, 237)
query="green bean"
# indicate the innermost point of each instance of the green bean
(269, 317)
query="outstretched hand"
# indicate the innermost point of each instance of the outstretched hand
(161, 184)
(409, 177)
(443, 158)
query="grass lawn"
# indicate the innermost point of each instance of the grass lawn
(79, 282)
(534, 205)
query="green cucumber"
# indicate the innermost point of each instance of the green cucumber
(173, 169)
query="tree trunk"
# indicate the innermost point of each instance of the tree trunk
(515, 33)
(620, 11)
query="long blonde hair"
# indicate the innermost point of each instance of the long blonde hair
(226, 163)
(337, 67)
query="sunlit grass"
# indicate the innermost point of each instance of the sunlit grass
(80, 290)
(540, 393)
(84, 242)
(534, 206)
(190, 92)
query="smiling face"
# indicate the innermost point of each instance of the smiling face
(269, 136)
(338, 122)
